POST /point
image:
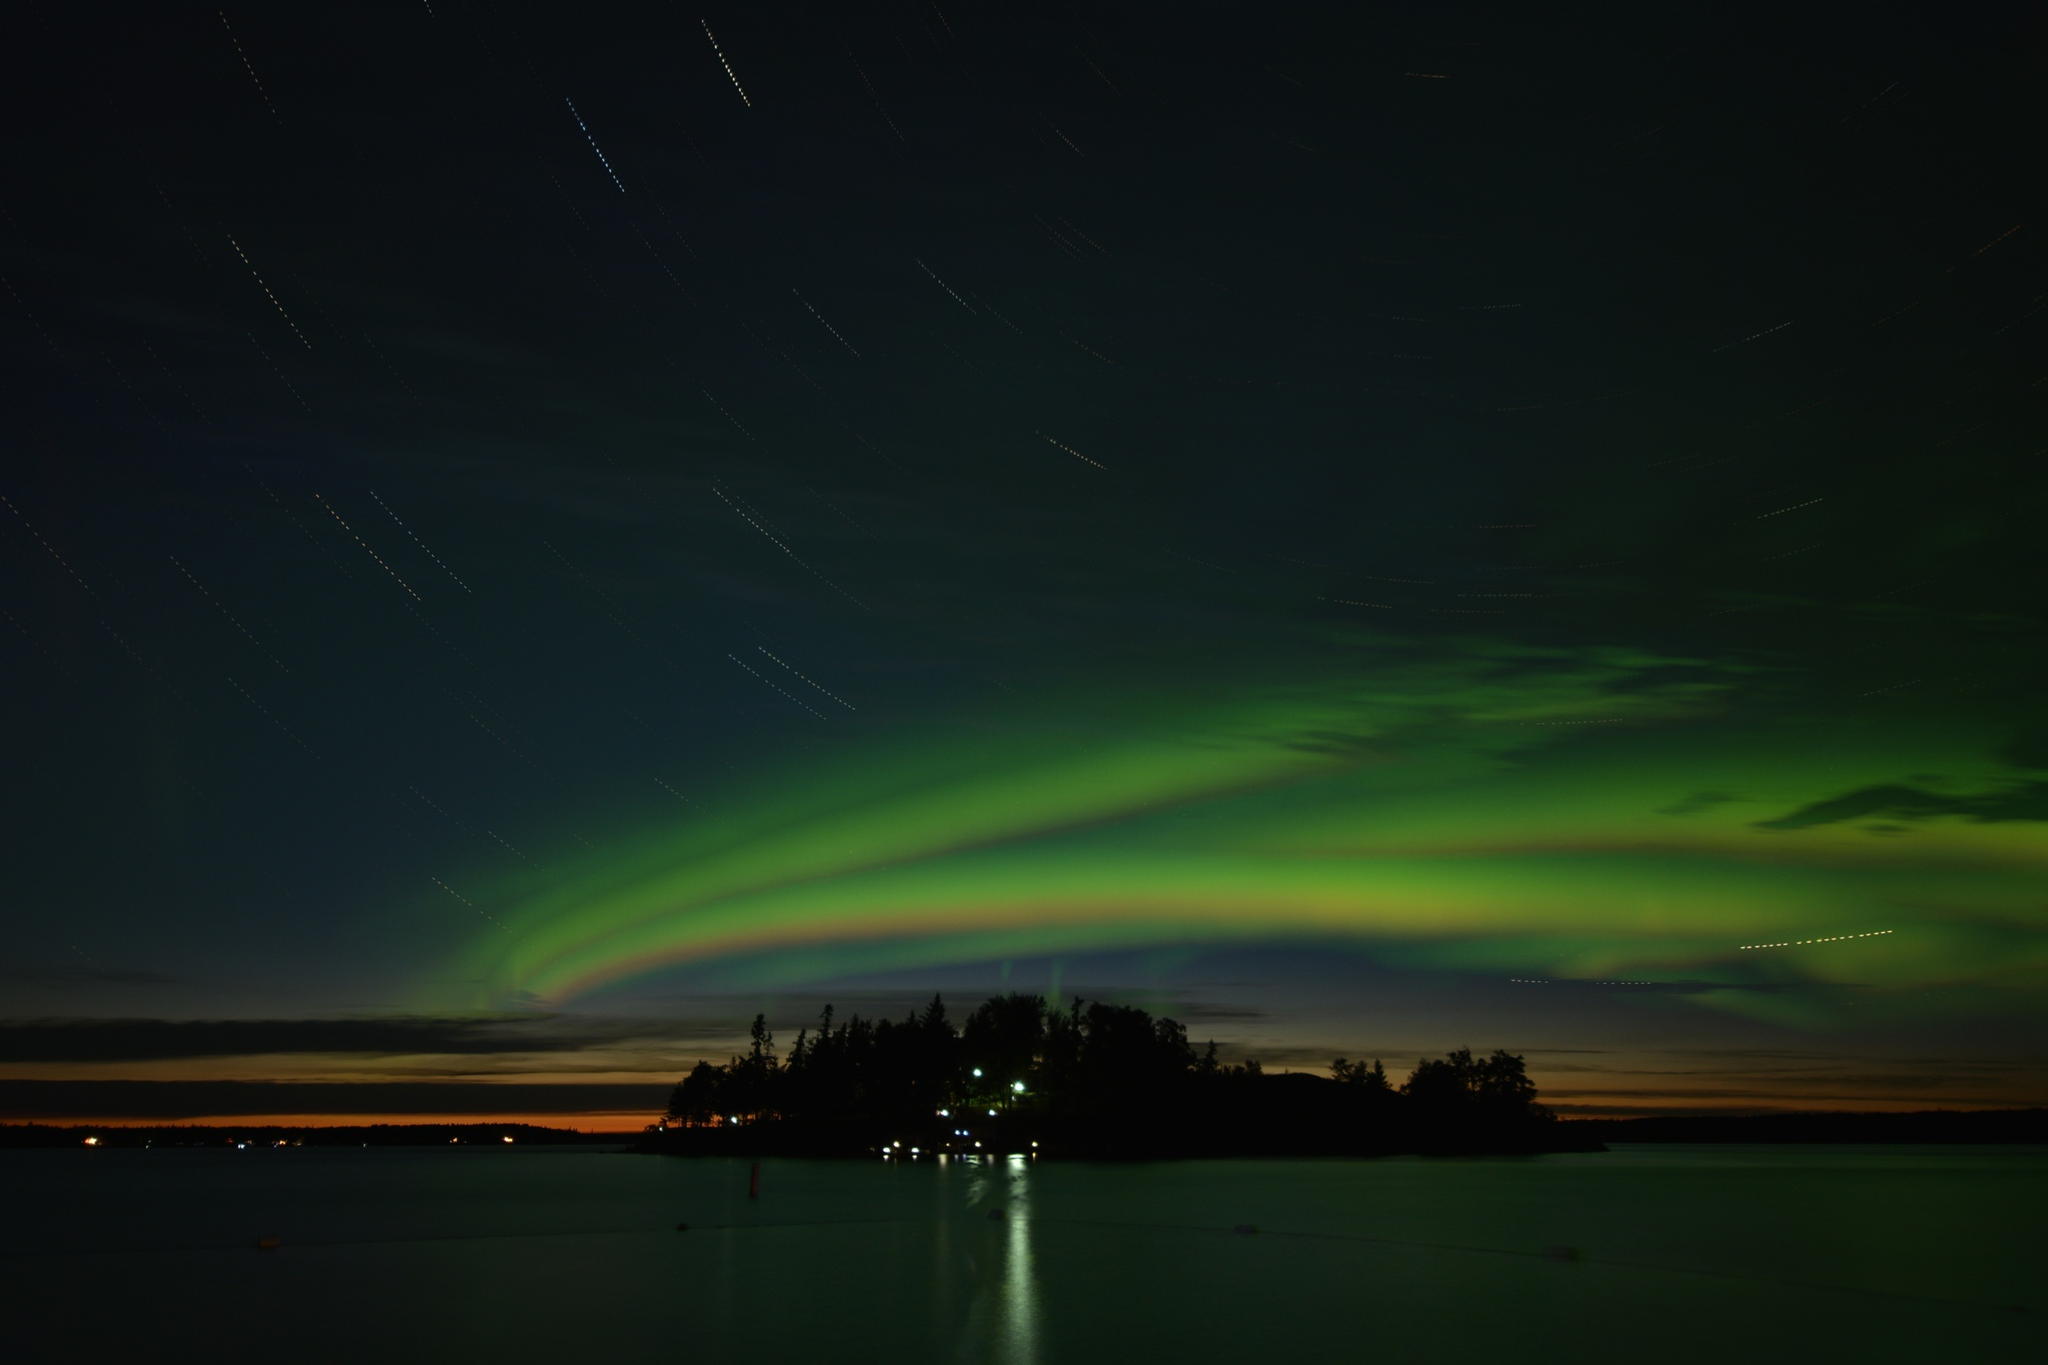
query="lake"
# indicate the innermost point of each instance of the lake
(1679, 1253)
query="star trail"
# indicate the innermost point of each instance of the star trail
(1313, 540)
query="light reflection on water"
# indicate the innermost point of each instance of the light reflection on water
(1005, 1310)
(1690, 1254)
(1020, 1282)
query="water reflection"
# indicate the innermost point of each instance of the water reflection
(1003, 1322)
(1020, 1279)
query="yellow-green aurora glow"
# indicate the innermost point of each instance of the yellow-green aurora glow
(1500, 810)
(1361, 565)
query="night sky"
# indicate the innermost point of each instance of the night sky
(534, 533)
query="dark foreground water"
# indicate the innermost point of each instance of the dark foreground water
(1683, 1254)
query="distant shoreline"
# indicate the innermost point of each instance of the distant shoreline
(1098, 1140)
(1921, 1126)
(1104, 1140)
(1928, 1127)
(34, 1135)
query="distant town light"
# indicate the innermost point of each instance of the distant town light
(977, 1071)
(945, 1113)
(508, 1138)
(991, 1113)
(1017, 1086)
(92, 1142)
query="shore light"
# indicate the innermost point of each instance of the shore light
(977, 1071)
(92, 1142)
(1017, 1086)
(991, 1113)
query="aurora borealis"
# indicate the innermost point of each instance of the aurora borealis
(533, 540)
(1254, 823)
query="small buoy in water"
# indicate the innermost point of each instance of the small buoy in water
(1562, 1253)
(1246, 1228)
(269, 1242)
(995, 1215)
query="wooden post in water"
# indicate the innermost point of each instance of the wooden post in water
(754, 1181)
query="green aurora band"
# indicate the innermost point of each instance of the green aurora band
(1505, 811)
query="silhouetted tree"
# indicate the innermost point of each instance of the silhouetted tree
(751, 1083)
(1002, 1037)
(1502, 1086)
(1059, 1058)
(1114, 1070)
(1496, 1089)
(937, 1057)
(696, 1097)
(1370, 1079)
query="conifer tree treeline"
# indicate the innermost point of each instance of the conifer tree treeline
(1024, 1058)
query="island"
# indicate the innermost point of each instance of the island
(1093, 1080)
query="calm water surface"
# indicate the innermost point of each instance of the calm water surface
(1683, 1254)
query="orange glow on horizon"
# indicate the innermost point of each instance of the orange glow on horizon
(1585, 1105)
(609, 1124)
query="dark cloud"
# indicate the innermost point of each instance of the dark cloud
(209, 1099)
(788, 1015)
(1205, 1011)
(1736, 1091)
(788, 1012)
(1336, 743)
(1311, 1059)
(1682, 986)
(1695, 803)
(556, 445)
(68, 974)
(134, 1040)
(2028, 749)
(1769, 1055)
(2023, 801)
(1566, 1109)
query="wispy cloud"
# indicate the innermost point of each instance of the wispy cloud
(2022, 801)
(130, 1040)
(224, 1099)
(1695, 803)
(61, 975)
